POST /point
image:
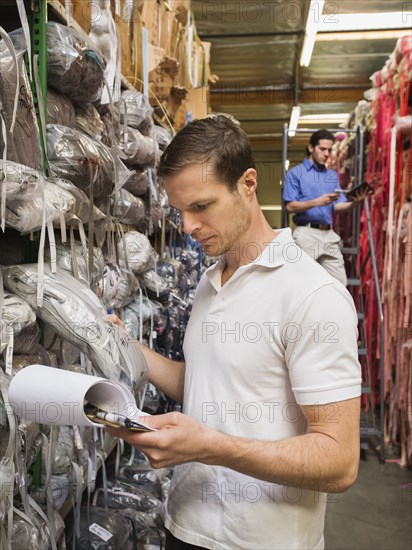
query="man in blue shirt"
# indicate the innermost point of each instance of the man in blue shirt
(310, 192)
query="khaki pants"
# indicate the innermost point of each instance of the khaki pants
(324, 247)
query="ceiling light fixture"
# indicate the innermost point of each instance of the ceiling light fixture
(364, 21)
(312, 23)
(294, 118)
(338, 117)
(361, 35)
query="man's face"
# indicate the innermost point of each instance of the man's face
(321, 152)
(211, 213)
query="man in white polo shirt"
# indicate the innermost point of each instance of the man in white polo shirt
(271, 382)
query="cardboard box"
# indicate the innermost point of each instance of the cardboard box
(197, 103)
(82, 12)
(129, 27)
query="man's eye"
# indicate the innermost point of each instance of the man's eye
(201, 206)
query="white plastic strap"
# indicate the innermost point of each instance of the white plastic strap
(36, 507)
(117, 7)
(26, 32)
(141, 316)
(189, 48)
(4, 184)
(152, 185)
(52, 245)
(63, 227)
(78, 475)
(40, 260)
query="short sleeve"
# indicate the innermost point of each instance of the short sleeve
(291, 190)
(321, 347)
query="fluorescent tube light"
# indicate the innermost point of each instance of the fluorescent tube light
(364, 21)
(294, 118)
(338, 117)
(312, 23)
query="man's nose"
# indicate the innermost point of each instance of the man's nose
(190, 222)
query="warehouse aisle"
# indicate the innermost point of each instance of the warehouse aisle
(376, 513)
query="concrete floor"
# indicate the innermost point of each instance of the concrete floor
(376, 513)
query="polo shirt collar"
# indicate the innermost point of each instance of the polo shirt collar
(272, 255)
(309, 165)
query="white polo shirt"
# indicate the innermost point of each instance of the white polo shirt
(280, 333)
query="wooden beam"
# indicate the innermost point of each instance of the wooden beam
(254, 96)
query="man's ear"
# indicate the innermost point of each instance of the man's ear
(249, 180)
(310, 148)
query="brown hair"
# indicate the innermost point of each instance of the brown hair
(215, 140)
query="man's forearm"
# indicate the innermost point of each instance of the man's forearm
(310, 461)
(300, 206)
(344, 207)
(167, 375)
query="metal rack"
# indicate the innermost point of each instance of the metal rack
(370, 426)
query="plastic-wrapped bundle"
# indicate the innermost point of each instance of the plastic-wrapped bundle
(28, 340)
(116, 525)
(23, 146)
(137, 107)
(84, 161)
(60, 109)
(27, 215)
(88, 120)
(127, 208)
(131, 315)
(116, 286)
(82, 203)
(138, 250)
(35, 534)
(17, 313)
(64, 260)
(156, 286)
(110, 116)
(137, 148)
(149, 480)
(74, 66)
(22, 181)
(121, 494)
(138, 183)
(162, 136)
(170, 270)
(64, 451)
(75, 313)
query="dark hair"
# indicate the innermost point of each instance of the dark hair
(216, 140)
(320, 134)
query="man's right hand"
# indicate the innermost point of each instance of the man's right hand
(326, 199)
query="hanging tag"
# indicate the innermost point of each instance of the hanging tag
(63, 227)
(78, 442)
(117, 7)
(9, 350)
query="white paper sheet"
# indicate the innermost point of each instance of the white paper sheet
(47, 395)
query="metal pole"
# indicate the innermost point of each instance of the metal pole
(382, 327)
(284, 216)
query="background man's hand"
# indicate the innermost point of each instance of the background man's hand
(327, 198)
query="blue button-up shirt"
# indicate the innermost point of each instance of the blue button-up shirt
(306, 182)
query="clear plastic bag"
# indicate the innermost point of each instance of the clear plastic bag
(162, 136)
(22, 181)
(136, 106)
(84, 161)
(60, 109)
(138, 250)
(82, 203)
(127, 209)
(23, 146)
(138, 183)
(27, 215)
(137, 148)
(64, 260)
(88, 120)
(74, 66)
(116, 286)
